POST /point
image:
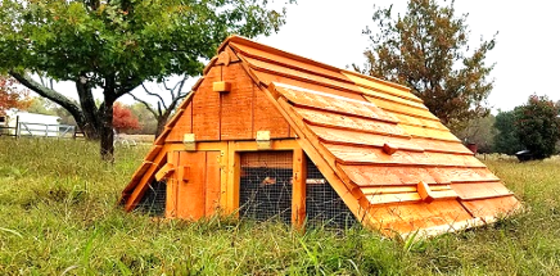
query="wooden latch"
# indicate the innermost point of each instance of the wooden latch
(189, 142)
(389, 149)
(427, 195)
(221, 86)
(165, 171)
(184, 174)
(263, 140)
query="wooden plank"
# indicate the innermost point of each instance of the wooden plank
(165, 171)
(328, 102)
(236, 108)
(380, 190)
(206, 108)
(285, 144)
(232, 192)
(288, 73)
(269, 77)
(141, 171)
(224, 171)
(267, 117)
(142, 184)
(321, 118)
(401, 92)
(353, 154)
(391, 176)
(191, 184)
(161, 138)
(182, 126)
(299, 188)
(416, 131)
(492, 207)
(464, 175)
(281, 159)
(389, 98)
(172, 186)
(213, 183)
(403, 109)
(153, 152)
(366, 175)
(286, 61)
(393, 198)
(209, 66)
(415, 121)
(480, 190)
(442, 146)
(350, 137)
(405, 217)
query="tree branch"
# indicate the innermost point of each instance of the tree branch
(50, 94)
(148, 106)
(155, 95)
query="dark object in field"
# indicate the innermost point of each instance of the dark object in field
(524, 155)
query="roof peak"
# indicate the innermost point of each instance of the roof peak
(252, 43)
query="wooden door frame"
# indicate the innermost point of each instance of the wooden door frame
(230, 173)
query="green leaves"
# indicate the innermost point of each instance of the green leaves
(131, 40)
(537, 126)
(426, 49)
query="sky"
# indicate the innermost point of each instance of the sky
(525, 55)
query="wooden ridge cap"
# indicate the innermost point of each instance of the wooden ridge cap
(251, 43)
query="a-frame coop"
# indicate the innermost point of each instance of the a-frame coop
(269, 134)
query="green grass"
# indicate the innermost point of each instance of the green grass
(58, 215)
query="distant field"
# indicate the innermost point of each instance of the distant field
(58, 215)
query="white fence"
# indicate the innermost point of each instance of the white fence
(39, 130)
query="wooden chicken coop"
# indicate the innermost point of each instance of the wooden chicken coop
(271, 135)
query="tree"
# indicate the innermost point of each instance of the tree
(148, 123)
(538, 126)
(427, 49)
(480, 131)
(111, 47)
(163, 111)
(11, 96)
(506, 140)
(123, 119)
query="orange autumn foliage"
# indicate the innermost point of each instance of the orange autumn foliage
(123, 119)
(11, 96)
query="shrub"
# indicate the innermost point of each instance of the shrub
(537, 126)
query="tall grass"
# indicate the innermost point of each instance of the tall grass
(58, 215)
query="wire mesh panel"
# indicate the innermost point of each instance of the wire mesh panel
(266, 186)
(323, 204)
(154, 198)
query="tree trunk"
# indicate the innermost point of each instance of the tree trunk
(92, 121)
(106, 116)
(106, 119)
(161, 122)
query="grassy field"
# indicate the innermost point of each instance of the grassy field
(58, 216)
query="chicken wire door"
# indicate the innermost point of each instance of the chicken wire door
(197, 184)
(323, 205)
(265, 188)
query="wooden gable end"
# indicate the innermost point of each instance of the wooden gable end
(226, 116)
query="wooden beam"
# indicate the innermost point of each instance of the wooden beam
(165, 171)
(232, 191)
(224, 157)
(172, 187)
(299, 188)
(142, 185)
